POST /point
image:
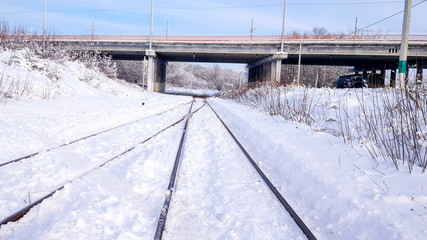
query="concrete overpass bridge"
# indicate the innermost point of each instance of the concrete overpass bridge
(260, 53)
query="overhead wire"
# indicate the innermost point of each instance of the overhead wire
(212, 8)
(382, 20)
(242, 6)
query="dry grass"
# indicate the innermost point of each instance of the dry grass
(390, 123)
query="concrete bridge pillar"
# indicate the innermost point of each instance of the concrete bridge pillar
(420, 65)
(156, 72)
(266, 71)
(393, 78)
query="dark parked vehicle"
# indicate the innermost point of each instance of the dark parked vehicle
(351, 81)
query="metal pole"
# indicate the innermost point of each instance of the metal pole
(252, 28)
(93, 29)
(44, 25)
(299, 62)
(283, 26)
(404, 45)
(355, 27)
(151, 24)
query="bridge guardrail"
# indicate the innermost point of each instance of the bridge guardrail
(269, 38)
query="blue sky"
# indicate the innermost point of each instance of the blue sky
(209, 17)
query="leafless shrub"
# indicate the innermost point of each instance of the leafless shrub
(292, 103)
(131, 71)
(16, 88)
(197, 76)
(390, 123)
(19, 38)
(399, 128)
(3, 93)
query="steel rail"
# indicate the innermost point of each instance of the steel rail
(168, 196)
(86, 137)
(270, 185)
(19, 214)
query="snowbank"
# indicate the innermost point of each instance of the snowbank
(334, 187)
(25, 75)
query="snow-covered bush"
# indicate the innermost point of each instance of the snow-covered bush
(33, 67)
(196, 76)
(390, 123)
(19, 38)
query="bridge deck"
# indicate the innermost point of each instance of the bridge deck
(349, 50)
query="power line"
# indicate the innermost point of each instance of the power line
(213, 8)
(78, 10)
(384, 19)
(345, 3)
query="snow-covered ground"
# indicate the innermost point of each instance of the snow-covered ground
(334, 188)
(331, 185)
(191, 92)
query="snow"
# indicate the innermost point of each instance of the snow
(335, 190)
(219, 194)
(192, 92)
(332, 186)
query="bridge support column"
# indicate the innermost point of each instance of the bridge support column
(393, 78)
(266, 71)
(420, 65)
(156, 72)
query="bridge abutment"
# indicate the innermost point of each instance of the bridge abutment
(156, 72)
(266, 71)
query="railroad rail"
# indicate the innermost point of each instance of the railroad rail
(164, 211)
(83, 138)
(20, 213)
(174, 173)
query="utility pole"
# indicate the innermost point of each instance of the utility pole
(167, 29)
(299, 62)
(93, 29)
(44, 26)
(151, 24)
(355, 27)
(252, 28)
(404, 45)
(283, 25)
(151, 54)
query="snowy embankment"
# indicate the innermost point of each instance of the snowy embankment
(48, 102)
(333, 186)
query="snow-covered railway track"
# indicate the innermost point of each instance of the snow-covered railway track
(196, 186)
(270, 185)
(30, 203)
(217, 194)
(86, 137)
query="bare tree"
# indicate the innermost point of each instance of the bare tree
(129, 71)
(319, 32)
